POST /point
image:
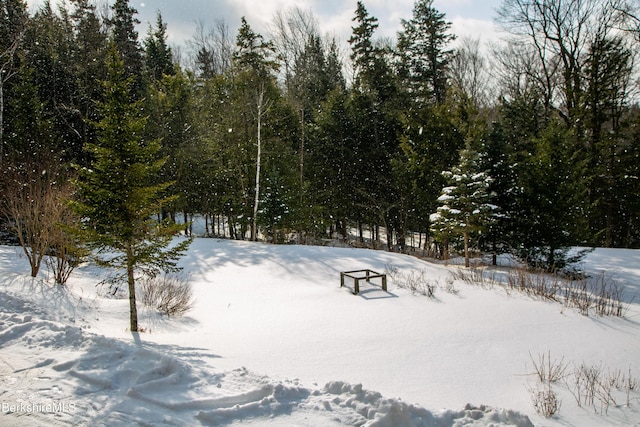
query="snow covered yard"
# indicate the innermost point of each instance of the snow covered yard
(274, 340)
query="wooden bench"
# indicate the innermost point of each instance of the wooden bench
(365, 274)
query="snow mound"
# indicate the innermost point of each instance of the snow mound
(56, 374)
(371, 409)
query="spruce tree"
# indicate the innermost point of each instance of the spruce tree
(117, 196)
(87, 59)
(465, 207)
(551, 206)
(158, 55)
(13, 20)
(424, 57)
(363, 50)
(125, 37)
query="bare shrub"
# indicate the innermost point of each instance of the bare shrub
(415, 281)
(629, 384)
(474, 276)
(545, 401)
(450, 287)
(590, 385)
(169, 294)
(67, 253)
(548, 371)
(535, 282)
(391, 270)
(601, 295)
(577, 295)
(66, 247)
(585, 383)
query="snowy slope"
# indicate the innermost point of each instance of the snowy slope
(274, 340)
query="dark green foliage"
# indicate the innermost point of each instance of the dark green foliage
(118, 197)
(253, 52)
(363, 51)
(125, 37)
(158, 56)
(554, 199)
(423, 48)
(560, 140)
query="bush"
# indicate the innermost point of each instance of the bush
(590, 385)
(552, 260)
(415, 281)
(169, 294)
(545, 402)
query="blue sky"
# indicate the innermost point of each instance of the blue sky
(472, 18)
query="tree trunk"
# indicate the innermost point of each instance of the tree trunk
(254, 234)
(133, 311)
(466, 249)
(1, 119)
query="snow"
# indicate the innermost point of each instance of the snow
(274, 340)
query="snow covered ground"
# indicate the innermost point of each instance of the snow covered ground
(274, 340)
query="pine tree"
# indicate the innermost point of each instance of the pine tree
(125, 37)
(117, 196)
(13, 20)
(424, 54)
(363, 50)
(87, 59)
(550, 208)
(253, 53)
(465, 208)
(159, 58)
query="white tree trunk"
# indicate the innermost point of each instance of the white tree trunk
(254, 228)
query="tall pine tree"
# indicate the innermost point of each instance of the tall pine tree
(117, 196)
(424, 54)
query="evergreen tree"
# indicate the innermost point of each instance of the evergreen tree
(549, 211)
(13, 21)
(254, 54)
(258, 90)
(333, 161)
(158, 56)
(117, 196)
(169, 104)
(430, 143)
(424, 54)
(609, 76)
(87, 58)
(465, 207)
(363, 50)
(125, 37)
(49, 44)
(375, 105)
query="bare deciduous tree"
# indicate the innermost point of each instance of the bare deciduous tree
(35, 207)
(560, 33)
(468, 68)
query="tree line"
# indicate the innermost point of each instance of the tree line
(530, 146)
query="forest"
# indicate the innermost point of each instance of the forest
(529, 147)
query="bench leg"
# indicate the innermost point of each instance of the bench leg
(356, 288)
(384, 283)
